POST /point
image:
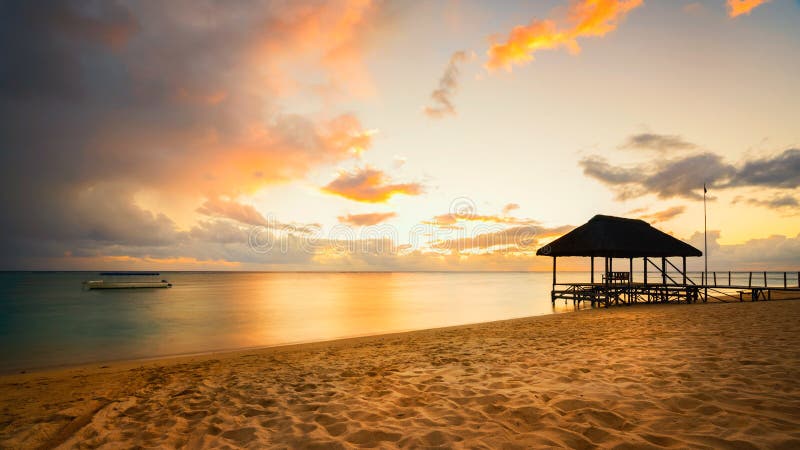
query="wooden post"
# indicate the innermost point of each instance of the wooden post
(729, 278)
(715, 279)
(663, 270)
(750, 280)
(553, 292)
(765, 279)
(645, 270)
(630, 272)
(605, 279)
(630, 281)
(592, 279)
(784, 280)
(684, 270)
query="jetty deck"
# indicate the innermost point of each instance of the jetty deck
(605, 294)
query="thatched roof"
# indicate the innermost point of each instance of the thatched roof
(617, 237)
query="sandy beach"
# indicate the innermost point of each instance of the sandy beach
(658, 376)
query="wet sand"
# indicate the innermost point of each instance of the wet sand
(658, 376)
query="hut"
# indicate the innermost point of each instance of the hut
(612, 238)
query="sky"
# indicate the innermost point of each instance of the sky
(385, 135)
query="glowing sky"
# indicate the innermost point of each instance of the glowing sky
(370, 135)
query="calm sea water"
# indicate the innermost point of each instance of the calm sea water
(46, 319)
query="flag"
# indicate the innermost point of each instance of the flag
(704, 189)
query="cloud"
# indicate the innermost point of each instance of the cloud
(513, 239)
(106, 23)
(776, 252)
(463, 210)
(663, 215)
(780, 171)
(102, 101)
(366, 219)
(694, 8)
(441, 98)
(230, 209)
(219, 231)
(585, 18)
(684, 176)
(739, 7)
(510, 207)
(778, 202)
(658, 142)
(369, 185)
(399, 161)
(453, 218)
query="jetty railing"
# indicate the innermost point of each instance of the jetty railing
(754, 279)
(666, 285)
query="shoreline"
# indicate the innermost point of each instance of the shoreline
(221, 352)
(714, 375)
(256, 348)
(234, 352)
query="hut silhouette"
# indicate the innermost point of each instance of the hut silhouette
(610, 238)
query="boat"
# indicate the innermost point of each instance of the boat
(129, 273)
(100, 284)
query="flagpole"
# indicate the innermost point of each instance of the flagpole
(705, 241)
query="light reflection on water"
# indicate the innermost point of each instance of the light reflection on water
(46, 319)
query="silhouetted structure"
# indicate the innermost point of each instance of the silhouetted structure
(611, 237)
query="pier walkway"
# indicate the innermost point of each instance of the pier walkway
(723, 286)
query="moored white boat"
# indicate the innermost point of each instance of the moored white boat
(100, 284)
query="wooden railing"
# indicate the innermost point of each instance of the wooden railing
(782, 278)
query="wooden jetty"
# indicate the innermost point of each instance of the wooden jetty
(611, 238)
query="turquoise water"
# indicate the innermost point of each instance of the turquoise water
(47, 320)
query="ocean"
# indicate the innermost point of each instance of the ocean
(48, 320)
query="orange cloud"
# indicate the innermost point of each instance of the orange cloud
(230, 209)
(366, 219)
(185, 261)
(663, 215)
(515, 239)
(585, 18)
(510, 207)
(369, 185)
(739, 7)
(328, 34)
(452, 218)
(209, 163)
(445, 221)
